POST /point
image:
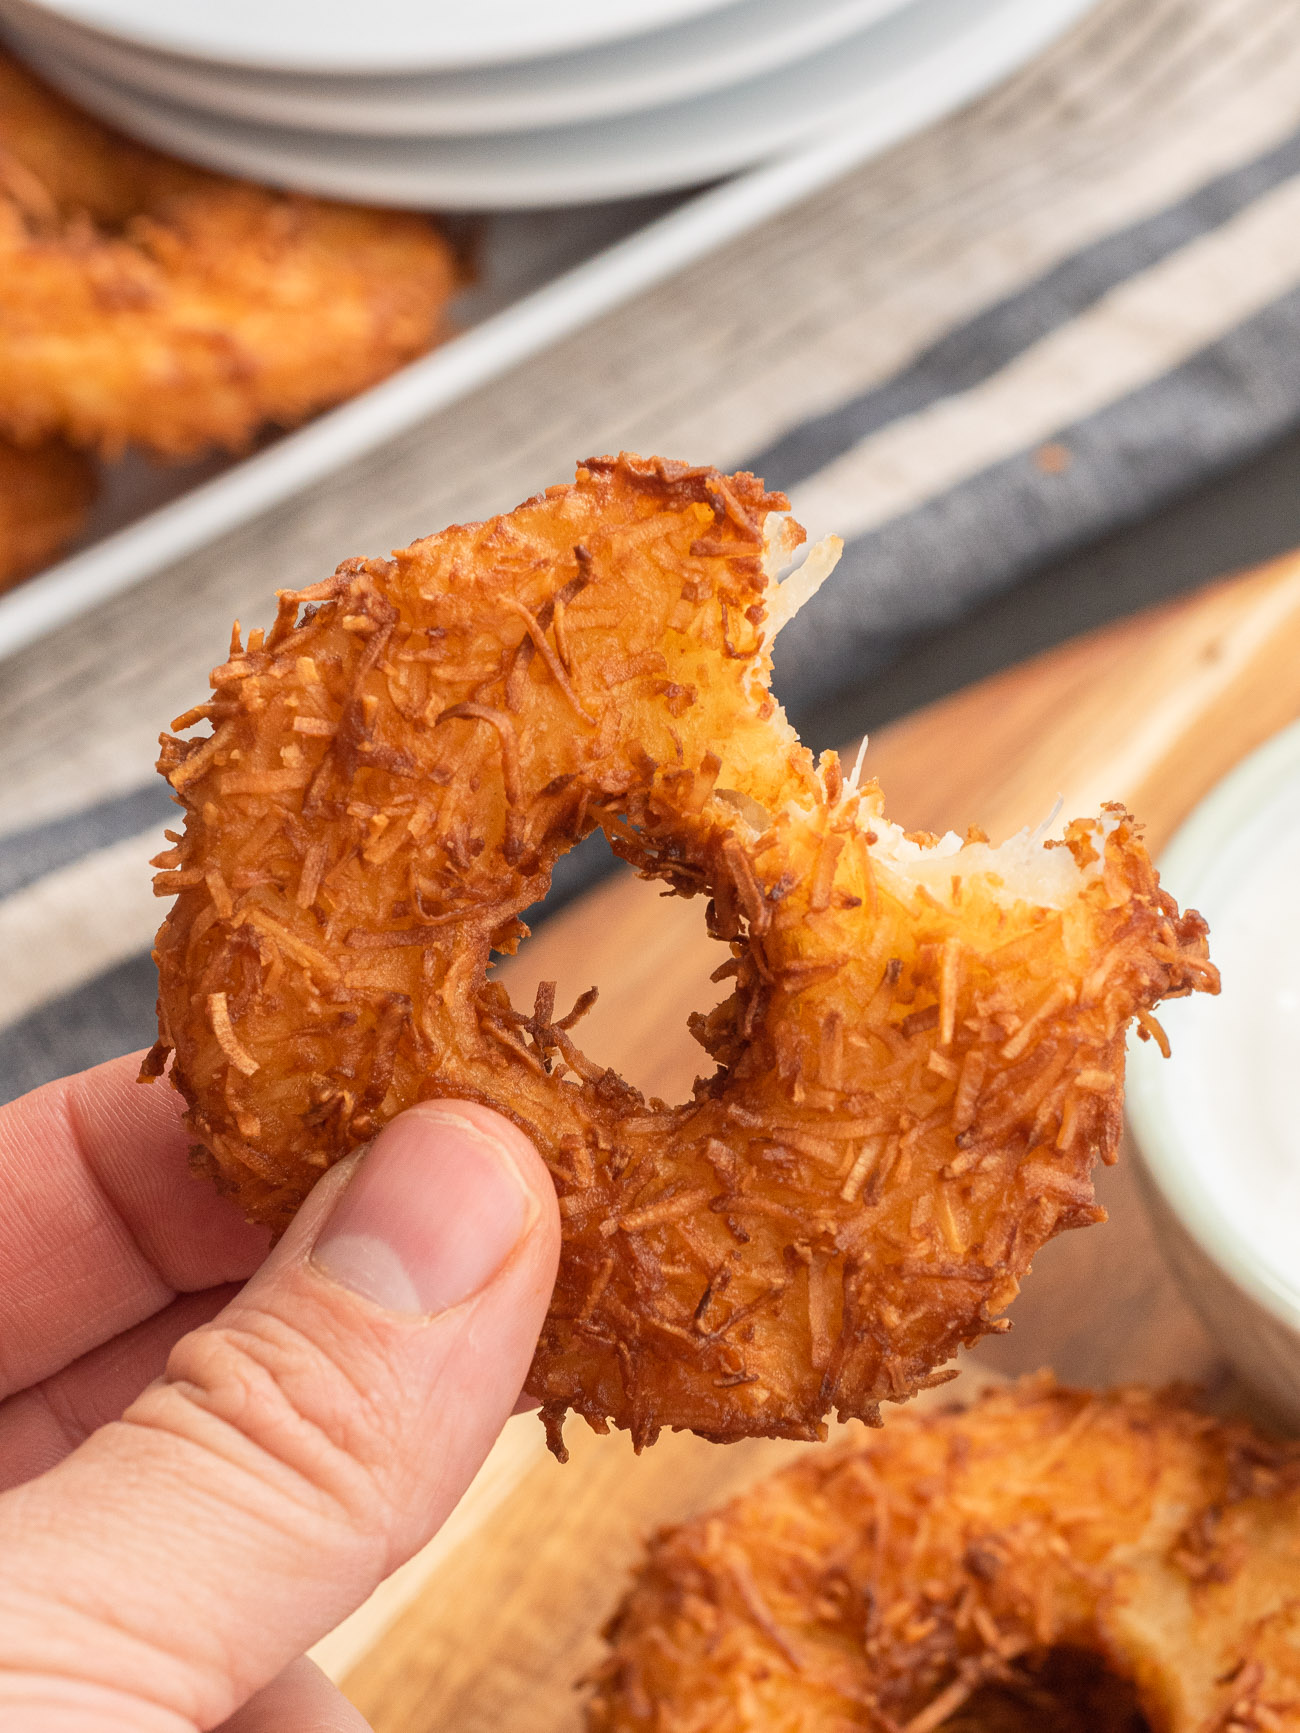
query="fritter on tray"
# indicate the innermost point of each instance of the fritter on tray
(145, 302)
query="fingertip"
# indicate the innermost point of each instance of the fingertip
(486, 1120)
(133, 1136)
(444, 1199)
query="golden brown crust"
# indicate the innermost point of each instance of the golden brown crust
(46, 492)
(912, 1085)
(939, 1572)
(146, 302)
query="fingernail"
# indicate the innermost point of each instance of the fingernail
(434, 1210)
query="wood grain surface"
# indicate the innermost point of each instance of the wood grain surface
(498, 1627)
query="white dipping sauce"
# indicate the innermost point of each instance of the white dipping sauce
(1232, 1086)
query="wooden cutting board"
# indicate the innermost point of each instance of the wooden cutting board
(490, 1628)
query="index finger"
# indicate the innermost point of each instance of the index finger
(102, 1222)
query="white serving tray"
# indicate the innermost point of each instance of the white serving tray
(547, 274)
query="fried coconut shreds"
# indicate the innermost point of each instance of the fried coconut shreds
(1048, 1559)
(922, 1053)
(146, 302)
(46, 492)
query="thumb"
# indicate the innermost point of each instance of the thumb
(298, 1448)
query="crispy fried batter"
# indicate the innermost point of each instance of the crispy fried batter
(923, 1052)
(45, 493)
(143, 301)
(961, 1570)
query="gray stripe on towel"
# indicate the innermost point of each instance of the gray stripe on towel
(106, 1016)
(976, 351)
(28, 855)
(920, 570)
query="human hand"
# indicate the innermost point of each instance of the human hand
(198, 1479)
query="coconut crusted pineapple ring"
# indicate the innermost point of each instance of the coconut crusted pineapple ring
(923, 1052)
(960, 1570)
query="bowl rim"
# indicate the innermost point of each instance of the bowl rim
(1186, 861)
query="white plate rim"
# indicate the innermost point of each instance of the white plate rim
(695, 228)
(680, 63)
(507, 30)
(959, 67)
(1185, 863)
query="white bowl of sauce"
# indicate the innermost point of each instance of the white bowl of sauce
(1218, 1123)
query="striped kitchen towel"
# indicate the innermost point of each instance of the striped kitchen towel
(1021, 329)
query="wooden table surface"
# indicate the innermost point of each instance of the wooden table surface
(491, 1628)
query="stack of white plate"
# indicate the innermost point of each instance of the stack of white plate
(514, 103)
